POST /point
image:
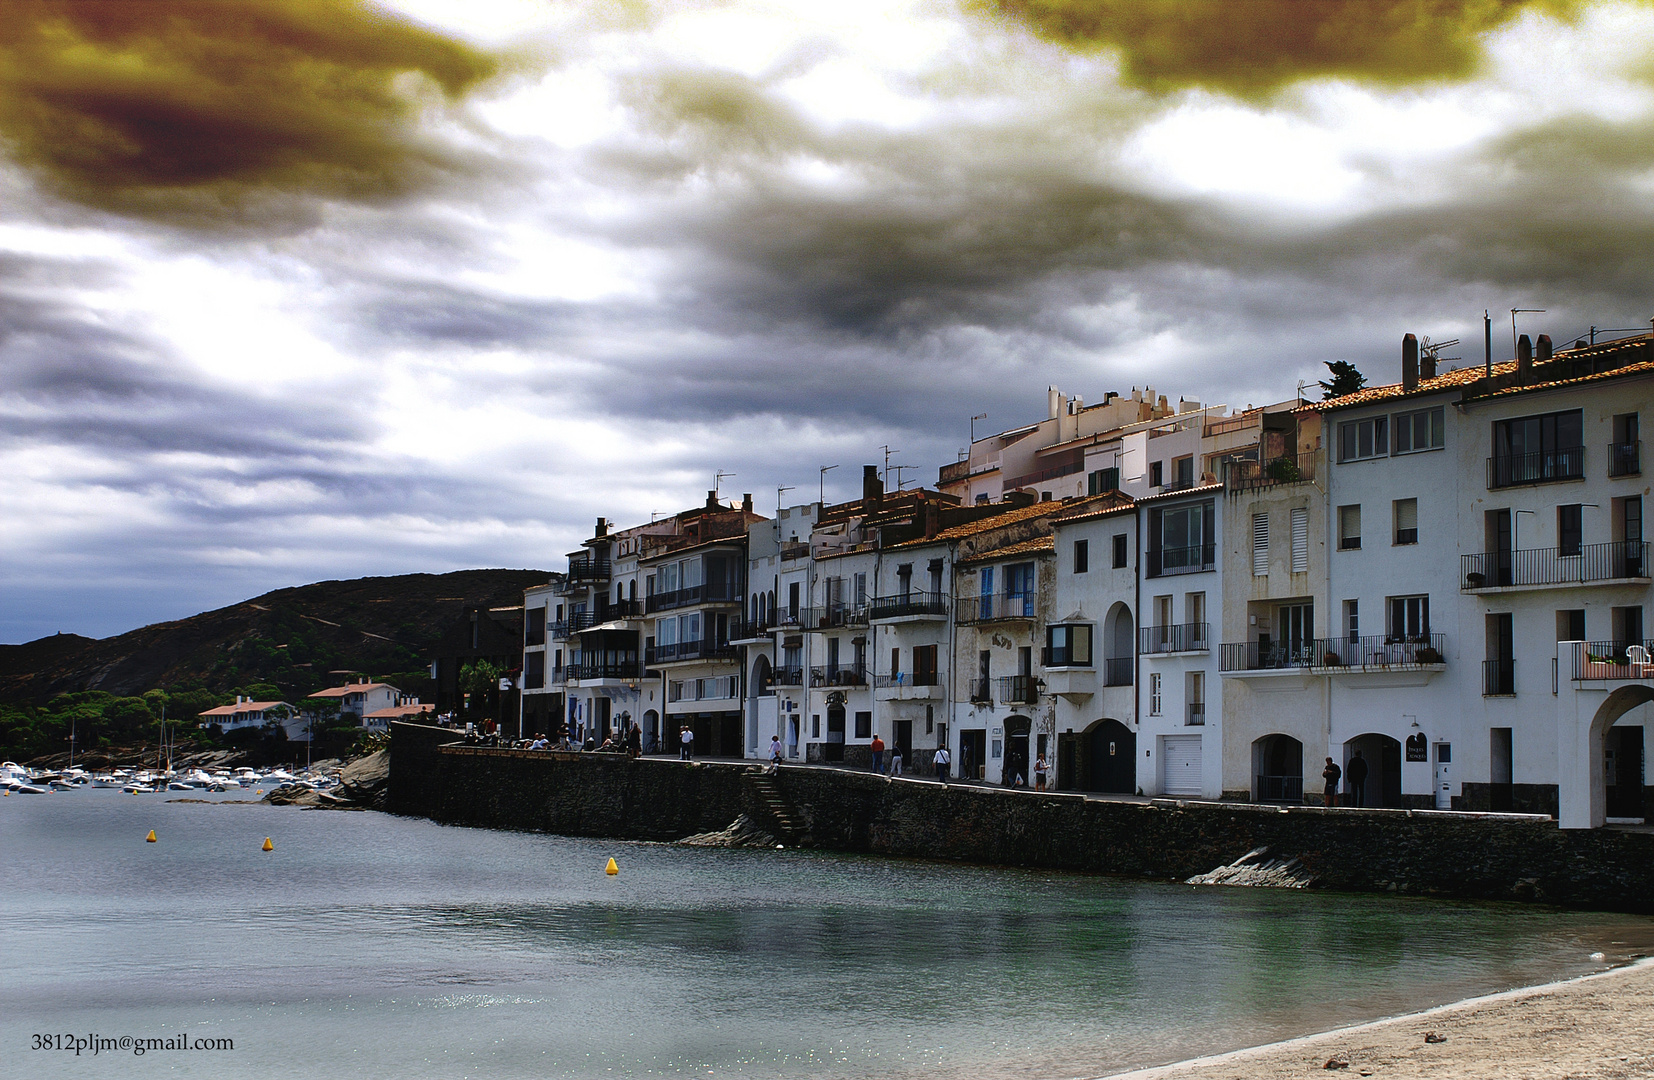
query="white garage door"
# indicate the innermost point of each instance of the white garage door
(1180, 765)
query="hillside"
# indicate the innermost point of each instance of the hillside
(291, 638)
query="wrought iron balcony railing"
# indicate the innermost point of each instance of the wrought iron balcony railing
(1579, 565)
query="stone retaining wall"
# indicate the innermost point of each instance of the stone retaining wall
(1504, 857)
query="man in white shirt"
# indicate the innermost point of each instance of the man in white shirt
(943, 760)
(686, 749)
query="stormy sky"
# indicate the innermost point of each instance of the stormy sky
(304, 289)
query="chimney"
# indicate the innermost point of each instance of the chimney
(1524, 359)
(1427, 365)
(1053, 402)
(872, 492)
(746, 503)
(1409, 363)
(602, 527)
(933, 523)
(1544, 349)
(712, 501)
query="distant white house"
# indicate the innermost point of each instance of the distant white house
(410, 709)
(358, 700)
(247, 713)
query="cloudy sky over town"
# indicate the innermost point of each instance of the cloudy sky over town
(303, 290)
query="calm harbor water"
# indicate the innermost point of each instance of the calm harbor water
(369, 945)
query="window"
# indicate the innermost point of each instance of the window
(1194, 607)
(1300, 539)
(861, 590)
(1260, 544)
(1349, 528)
(1067, 646)
(864, 725)
(534, 628)
(1194, 688)
(924, 665)
(1538, 449)
(534, 669)
(1570, 526)
(1082, 556)
(1359, 440)
(1624, 456)
(1183, 469)
(985, 587)
(1102, 480)
(1570, 625)
(1045, 496)
(1120, 551)
(1627, 626)
(1421, 430)
(1180, 539)
(1352, 621)
(1409, 617)
(792, 601)
(1154, 693)
(1407, 521)
(904, 580)
(1019, 582)
(1155, 474)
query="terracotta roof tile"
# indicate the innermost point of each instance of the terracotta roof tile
(1039, 545)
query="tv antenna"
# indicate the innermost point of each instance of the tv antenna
(1520, 311)
(821, 494)
(974, 419)
(718, 481)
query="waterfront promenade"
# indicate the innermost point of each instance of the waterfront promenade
(1434, 853)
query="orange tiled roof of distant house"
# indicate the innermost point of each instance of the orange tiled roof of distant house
(1088, 509)
(245, 706)
(1039, 545)
(1448, 380)
(1047, 508)
(350, 688)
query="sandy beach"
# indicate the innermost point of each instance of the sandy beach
(1599, 1026)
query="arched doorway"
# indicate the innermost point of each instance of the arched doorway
(761, 681)
(1112, 752)
(1119, 646)
(1617, 767)
(1278, 769)
(1016, 751)
(834, 750)
(1383, 783)
(651, 732)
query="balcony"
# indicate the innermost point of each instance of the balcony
(1118, 671)
(1018, 690)
(681, 651)
(1164, 562)
(981, 691)
(787, 676)
(1625, 459)
(1184, 637)
(913, 605)
(593, 569)
(908, 686)
(831, 617)
(695, 594)
(1498, 678)
(1600, 661)
(629, 670)
(1377, 653)
(838, 676)
(1251, 475)
(795, 549)
(1544, 467)
(1491, 571)
(1016, 607)
(561, 629)
(1195, 714)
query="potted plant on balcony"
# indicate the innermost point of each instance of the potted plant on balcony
(1475, 580)
(1428, 655)
(1283, 470)
(1331, 659)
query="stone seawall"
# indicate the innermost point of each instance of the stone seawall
(1420, 852)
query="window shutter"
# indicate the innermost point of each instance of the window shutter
(1260, 544)
(1300, 540)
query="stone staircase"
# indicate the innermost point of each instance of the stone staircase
(776, 806)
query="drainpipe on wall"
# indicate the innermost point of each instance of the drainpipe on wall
(1136, 625)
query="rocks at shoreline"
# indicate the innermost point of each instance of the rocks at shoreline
(1255, 869)
(743, 832)
(364, 784)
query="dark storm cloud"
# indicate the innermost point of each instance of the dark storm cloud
(208, 113)
(1256, 46)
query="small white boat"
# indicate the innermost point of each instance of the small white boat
(28, 789)
(179, 785)
(61, 784)
(138, 789)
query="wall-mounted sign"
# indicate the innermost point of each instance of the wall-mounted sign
(1418, 748)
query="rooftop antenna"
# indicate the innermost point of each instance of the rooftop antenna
(1513, 313)
(822, 494)
(884, 476)
(718, 481)
(974, 419)
(899, 470)
(778, 493)
(1487, 339)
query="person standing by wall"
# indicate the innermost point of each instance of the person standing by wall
(878, 753)
(943, 760)
(686, 744)
(1330, 774)
(1357, 773)
(1039, 773)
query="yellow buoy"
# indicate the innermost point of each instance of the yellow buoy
(612, 868)
(151, 837)
(267, 845)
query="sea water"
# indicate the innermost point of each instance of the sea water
(377, 946)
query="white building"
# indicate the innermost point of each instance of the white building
(247, 713)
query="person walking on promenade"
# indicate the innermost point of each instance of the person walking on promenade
(775, 753)
(1039, 773)
(634, 742)
(943, 760)
(1331, 774)
(1357, 773)
(686, 743)
(878, 753)
(896, 760)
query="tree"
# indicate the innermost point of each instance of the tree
(1345, 380)
(480, 682)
